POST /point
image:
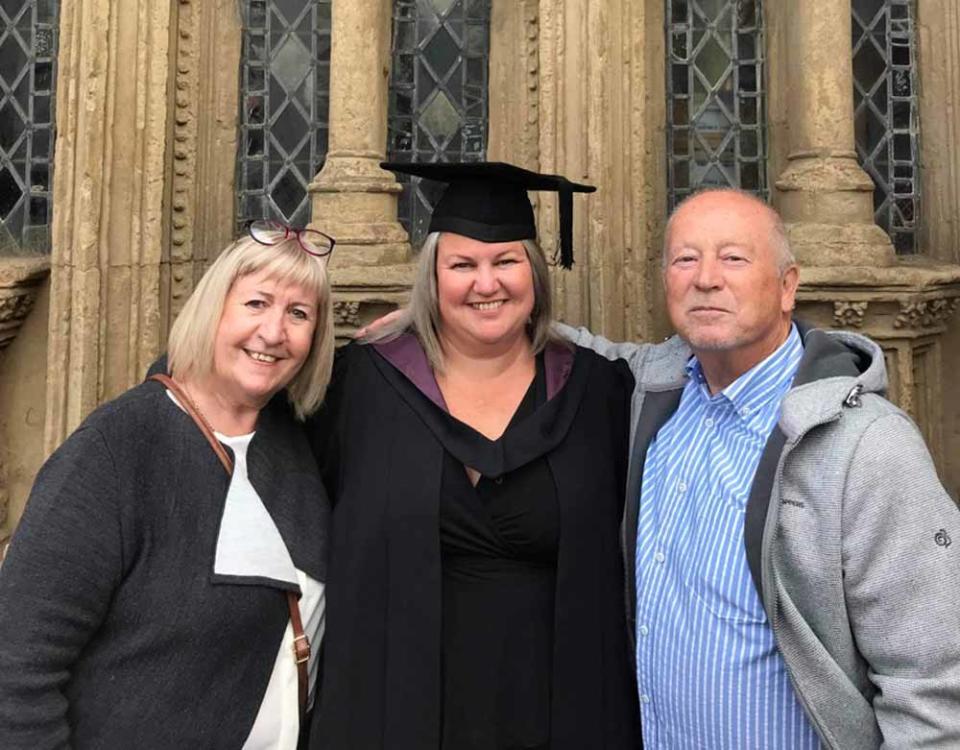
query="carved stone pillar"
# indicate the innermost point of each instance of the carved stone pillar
(353, 199)
(577, 88)
(112, 118)
(204, 148)
(825, 196)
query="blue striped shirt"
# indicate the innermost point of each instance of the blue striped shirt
(709, 672)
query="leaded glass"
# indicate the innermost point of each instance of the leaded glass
(284, 101)
(716, 135)
(28, 45)
(885, 111)
(438, 94)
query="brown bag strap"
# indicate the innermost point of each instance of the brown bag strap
(187, 403)
(301, 643)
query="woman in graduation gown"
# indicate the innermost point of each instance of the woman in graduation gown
(476, 467)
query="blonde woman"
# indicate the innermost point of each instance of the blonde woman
(144, 599)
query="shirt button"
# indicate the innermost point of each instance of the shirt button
(659, 557)
(644, 630)
(644, 698)
(745, 411)
(708, 422)
(681, 486)
(498, 480)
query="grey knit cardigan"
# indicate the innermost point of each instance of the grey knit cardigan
(114, 631)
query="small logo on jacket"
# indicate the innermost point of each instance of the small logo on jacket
(942, 538)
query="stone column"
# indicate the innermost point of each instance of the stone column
(353, 199)
(112, 120)
(825, 196)
(577, 88)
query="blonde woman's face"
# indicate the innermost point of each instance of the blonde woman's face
(263, 339)
(484, 290)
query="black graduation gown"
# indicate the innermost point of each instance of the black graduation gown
(382, 452)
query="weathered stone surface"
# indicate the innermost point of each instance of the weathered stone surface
(353, 199)
(906, 308)
(108, 225)
(22, 394)
(578, 89)
(823, 194)
(20, 279)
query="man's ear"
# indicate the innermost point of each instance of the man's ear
(789, 281)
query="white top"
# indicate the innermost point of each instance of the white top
(250, 545)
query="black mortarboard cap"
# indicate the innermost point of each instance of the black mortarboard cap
(488, 201)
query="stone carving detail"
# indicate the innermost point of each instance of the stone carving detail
(531, 22)
(848, 314)
(925, 313)
(346, 314)
(19, 282)
(15, 304)
(184, 130)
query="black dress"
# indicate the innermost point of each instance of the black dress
(498, 543)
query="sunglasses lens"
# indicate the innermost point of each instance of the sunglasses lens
(267, 232)
(315, 243)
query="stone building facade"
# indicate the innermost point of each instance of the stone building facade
(845, 113)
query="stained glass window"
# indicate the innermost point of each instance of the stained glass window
(438, 93)
(284, 98)
(885, 107)
(716, 135)
(28, 48)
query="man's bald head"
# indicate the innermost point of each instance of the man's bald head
(778, 241)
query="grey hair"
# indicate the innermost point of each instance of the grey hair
(779, 240)
(421, 316)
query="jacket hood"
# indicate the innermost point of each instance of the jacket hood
(837, 369)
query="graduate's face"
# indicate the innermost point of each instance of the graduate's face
(264, 337)
(484, 289)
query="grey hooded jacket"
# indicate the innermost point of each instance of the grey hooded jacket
(852, 541)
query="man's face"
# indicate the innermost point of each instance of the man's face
(725, 292)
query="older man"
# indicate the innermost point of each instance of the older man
(789, 549)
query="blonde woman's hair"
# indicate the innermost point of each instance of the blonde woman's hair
(422, 314)
(191, 344)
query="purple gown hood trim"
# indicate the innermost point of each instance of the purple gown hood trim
(406, 354)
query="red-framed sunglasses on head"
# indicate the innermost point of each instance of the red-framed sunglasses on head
(316, 243)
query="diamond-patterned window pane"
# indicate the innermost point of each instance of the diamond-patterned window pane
(28, 48)
(716, 136)
(284, 104)
(886, 113)
(438, 94)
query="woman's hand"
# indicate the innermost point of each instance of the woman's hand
(375, 325)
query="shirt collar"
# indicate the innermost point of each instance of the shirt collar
(757, 386)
